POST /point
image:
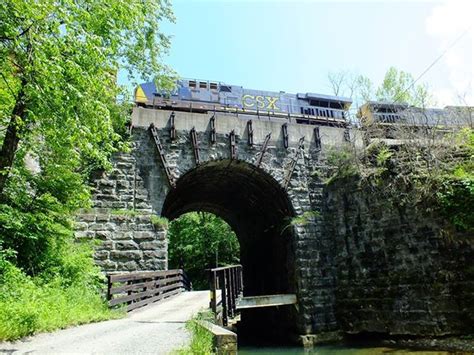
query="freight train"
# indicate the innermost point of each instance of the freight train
(212, 96)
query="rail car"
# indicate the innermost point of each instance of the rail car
(207, 96)
(388, 114)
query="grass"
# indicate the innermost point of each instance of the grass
(43, 303)
(123, 212)
(201, 339)
(159, 222)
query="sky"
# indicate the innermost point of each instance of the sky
(292, 45)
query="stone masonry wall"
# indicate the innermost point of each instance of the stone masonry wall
(362, 265)
(394, 271)
(120, 218)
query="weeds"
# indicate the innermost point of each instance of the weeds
(201, 338)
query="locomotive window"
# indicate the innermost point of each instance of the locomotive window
(213, 86)
(202, 85)
(225, 88)
(192, 84)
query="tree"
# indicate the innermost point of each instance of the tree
(58, 67)
(399, 86)
(199, 241)
(357, 87)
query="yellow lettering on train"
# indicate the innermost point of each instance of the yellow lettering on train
(245, 101)
(262, 102)
(272, 103)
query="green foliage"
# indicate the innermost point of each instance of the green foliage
(59, 96)
(383, 155)
(198, 241)
(120, 212)
(456, 192)
(201, 338)
(456, 198)
(304, 218)
(159, 222)
(64, 295)
(343, 163)
(398, 86)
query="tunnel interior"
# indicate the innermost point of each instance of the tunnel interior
(258, 210)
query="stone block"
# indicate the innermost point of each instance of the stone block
(101, 255)
(125, 255)
(85, 217)
(122, 236)
(151, 245)
(102, 217)
(126, 198)
(84, 235)
(120, 218)
(144, 236)
(81, 226)
(155, 254)
(123, 184)
(126, 245)
(144, 227)
(117, 205)
(142, 205)
(106, 265)
(103, 235)
(153, 264)
(127, 266)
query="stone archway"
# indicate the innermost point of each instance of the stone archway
(255, 206)
(258, 209)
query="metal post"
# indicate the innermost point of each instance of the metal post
(233, 149)
(212, 123)
(172, 127)
(285, 135)
(250, 133)
(195, 144)
(224, 299)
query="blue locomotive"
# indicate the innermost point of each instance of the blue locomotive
(212, 96)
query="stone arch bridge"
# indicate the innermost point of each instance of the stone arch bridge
(257, 173)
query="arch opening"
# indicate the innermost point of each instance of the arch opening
(258, 210)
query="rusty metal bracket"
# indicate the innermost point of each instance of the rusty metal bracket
(233, 148)
(263, 149)
(250, 133)
(293, 162)
(195, 143)
(172, 127)
(347, 135)
(156, 138)
(317, 138)
(285, 135)
(212, 123)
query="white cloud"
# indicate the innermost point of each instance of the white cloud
(447, 21)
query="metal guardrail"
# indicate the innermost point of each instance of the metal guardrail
(307, 114)
(138, 289)
(229, 281)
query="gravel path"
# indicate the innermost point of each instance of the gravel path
(156, 329)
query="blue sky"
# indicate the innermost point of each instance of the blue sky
(293, 45)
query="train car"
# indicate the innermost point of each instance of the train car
(386, 113)
(206, 96)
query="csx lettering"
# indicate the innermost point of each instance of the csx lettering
(261, 102)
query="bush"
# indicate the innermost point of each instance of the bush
(66, 295)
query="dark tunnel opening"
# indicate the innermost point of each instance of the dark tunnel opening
(258, 210)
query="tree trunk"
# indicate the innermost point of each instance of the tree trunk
(10, 143)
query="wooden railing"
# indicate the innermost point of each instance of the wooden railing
(138, 289)
(228, 280)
